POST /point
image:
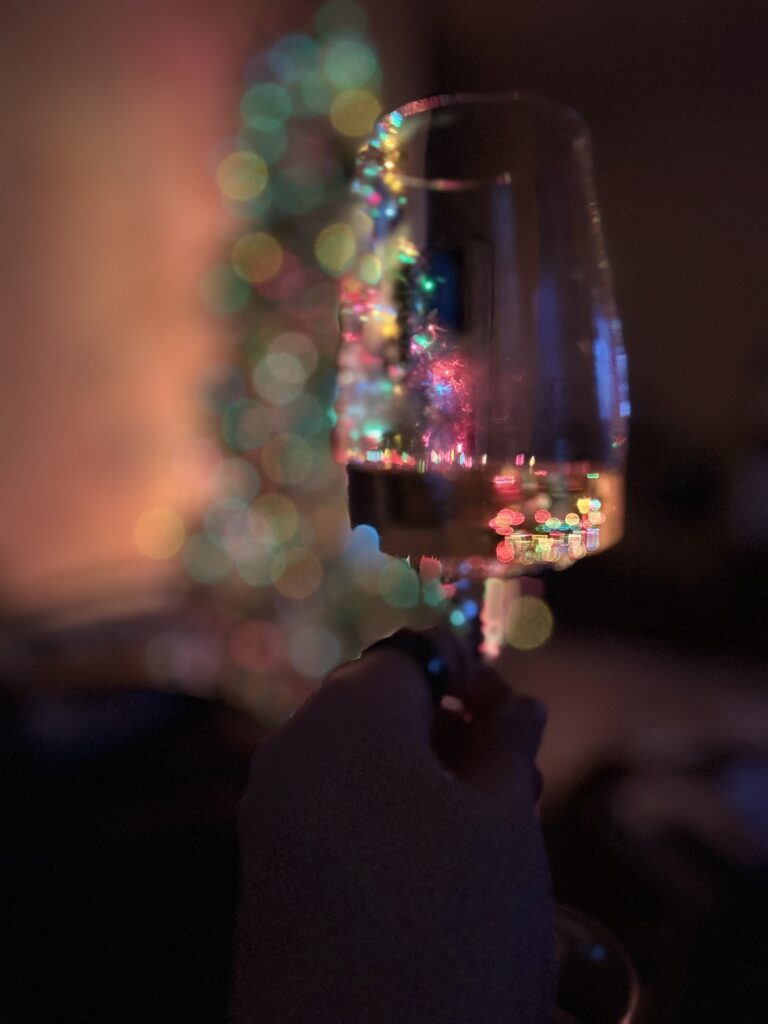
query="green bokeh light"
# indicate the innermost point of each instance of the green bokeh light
(399, 584)
(270, 143)
(293, 57)
(349, 64)
(266, 106)
(204, 560)
(223, 291)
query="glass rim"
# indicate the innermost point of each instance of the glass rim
(564, 914)
(511, 98)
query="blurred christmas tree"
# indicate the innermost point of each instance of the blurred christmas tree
(302, 590)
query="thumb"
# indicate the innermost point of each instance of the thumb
(502, 734)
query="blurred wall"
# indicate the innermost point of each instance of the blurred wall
(110, 214)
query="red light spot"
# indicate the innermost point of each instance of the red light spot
(505, 552)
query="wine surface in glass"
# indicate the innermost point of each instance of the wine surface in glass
(490, 521)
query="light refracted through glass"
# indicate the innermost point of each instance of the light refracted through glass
(421, 468)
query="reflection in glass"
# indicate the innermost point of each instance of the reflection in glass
(482, 398)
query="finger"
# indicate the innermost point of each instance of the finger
(501, 742)
(460, 658)
(486, 689)
(481, 690)
(396, 688)
(385, 692)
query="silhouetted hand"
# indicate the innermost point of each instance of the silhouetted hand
(393, 866)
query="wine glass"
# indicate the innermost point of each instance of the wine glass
(598, 983)
(482, 400)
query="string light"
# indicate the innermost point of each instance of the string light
(302, 590)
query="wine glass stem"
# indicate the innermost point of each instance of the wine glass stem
(493, 599)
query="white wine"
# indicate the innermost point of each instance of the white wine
(490, 521)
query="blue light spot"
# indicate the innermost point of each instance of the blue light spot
(365, 536)
(292, 57)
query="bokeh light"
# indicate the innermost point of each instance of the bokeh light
(287, 459)
(274, 518)
(314, 650)
(242, 175)
(354, 112)
(235, 477)
(369, 269)
(529, 624)
(269, 143)
(293, 57)
(246, 424)
(266, 106)
(204, 560)
(316, 93)
(261, 567)
(399, 584)
(223, 291)
(279, 377)
(365, 569)
(305, 591)
(335, 248)
(256, 257)
(349, 64)
(255, 645)
(159, 533)
(301, 574)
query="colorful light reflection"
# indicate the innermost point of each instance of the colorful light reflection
(302, 590)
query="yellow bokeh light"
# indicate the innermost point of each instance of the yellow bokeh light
(159, 533)
(242, 175)
(354, 112)
(273, 517)
(529, 624)
(335, 248)
(257, 257)
(370, 269)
